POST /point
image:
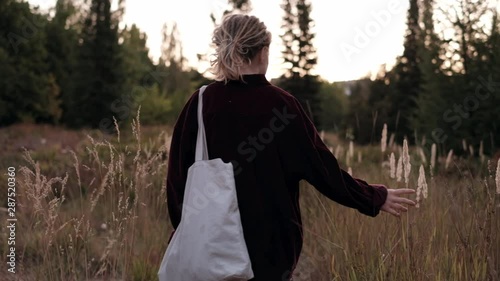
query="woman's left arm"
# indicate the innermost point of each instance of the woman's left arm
(311, 160)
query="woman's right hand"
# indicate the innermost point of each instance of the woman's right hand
(395, 200)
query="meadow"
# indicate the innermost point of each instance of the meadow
(93, 207)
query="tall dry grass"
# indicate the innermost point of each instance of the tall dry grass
(103, 216)
(453, 235)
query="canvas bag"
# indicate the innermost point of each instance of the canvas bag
(208, 244)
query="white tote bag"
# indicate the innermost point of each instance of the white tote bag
(208, 244)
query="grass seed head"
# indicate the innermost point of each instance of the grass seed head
(399, 169)
(421, 186)
(338, 151)
(433, 155)
(383, 141)
(351, 149)
(406, 161)
(392, 162)
(448, 159)
(391, 140)
(497, 178)
(422, 155)
(423, 181)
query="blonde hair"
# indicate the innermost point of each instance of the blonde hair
(238, 39)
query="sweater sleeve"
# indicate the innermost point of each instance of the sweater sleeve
(311, 160)
(181, 157)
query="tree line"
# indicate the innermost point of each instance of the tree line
(442, 89)
(75, 66)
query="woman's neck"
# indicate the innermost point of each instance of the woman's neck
(251, 70)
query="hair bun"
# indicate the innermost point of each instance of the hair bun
(238, 39)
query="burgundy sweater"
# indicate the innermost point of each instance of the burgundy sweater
(273, 145)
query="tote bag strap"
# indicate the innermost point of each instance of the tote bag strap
(201, 140)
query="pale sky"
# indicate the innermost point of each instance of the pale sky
(353, 37)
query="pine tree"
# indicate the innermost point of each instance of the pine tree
(467, 18)
(431, 44)
(470, 68)
(174, 83)
(172, 63)
(136, 57)
(289, 39)
(62, 46)
(300, 56)
(307, 57)
(480, 23)
(29, 92)
(334, 106)
(101, 69)
(429, 103)
(408, 76)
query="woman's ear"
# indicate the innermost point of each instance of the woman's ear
(264, 54)
(264, 59)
